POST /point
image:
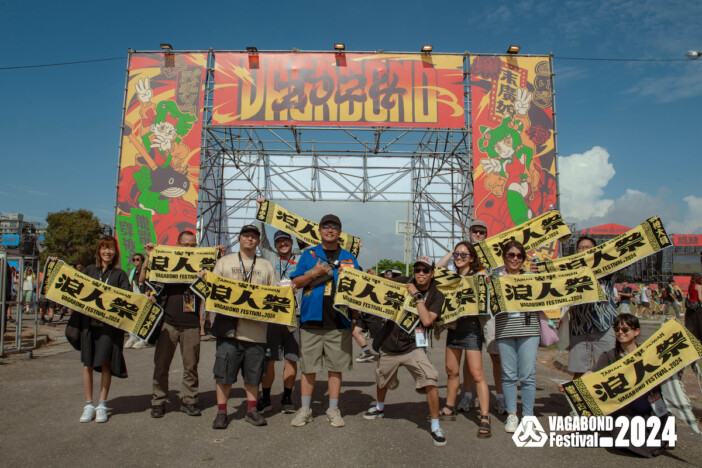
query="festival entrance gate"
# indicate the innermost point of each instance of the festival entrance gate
(206, 133)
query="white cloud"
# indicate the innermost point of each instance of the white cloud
(672, 87)
(582, 179)
(692, 221)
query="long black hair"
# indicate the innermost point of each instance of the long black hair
(625, 319)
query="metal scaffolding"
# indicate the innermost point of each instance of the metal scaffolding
(429, 168)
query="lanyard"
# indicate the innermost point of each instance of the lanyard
(287, 265)
(108, 276)
(247, 276)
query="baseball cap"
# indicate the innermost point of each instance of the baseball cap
(250, 228)
(281, 235)
(478, 223)
(424, 261)
(330, 218)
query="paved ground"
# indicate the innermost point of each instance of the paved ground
(42, 401)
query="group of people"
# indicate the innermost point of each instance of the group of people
(651, 299)
(323, 340)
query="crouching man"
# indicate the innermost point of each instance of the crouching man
(398, 348)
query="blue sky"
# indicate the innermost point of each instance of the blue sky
(628, 132)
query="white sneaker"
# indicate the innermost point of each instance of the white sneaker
(130, 342)
(466, 402)
(500, 404)
(88, 413)
(101, 414)
(512, 423)
(139, 344)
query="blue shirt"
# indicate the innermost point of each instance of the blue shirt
(312, 300)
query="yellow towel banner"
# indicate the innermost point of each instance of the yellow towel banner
(306, 230)
(645, 239)
(271, 304)
(660, 357)
(525, 293)
(534, 233)
(469, 297)
(179, 264)
(131, 312)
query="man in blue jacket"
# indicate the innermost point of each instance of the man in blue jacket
(325, 334)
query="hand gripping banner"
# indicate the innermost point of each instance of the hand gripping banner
(131, 312)
(532, 234)
(178, 264)
(376, 296)
(271, 304)
(527, 293)
(308, 231)
(468, 298)
(645, 239)
(660, 357)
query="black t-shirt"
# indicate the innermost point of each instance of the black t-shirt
(331, 318)
(625, 299)
(399, 341)
(174, 298)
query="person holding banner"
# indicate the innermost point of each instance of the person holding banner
(241, 343)
(325, 333)
(693, 311)
(517, 335)
(590, 324)
(465, 336)
(101, 344)
(401, 349)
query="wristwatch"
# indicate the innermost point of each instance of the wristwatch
(417, 296)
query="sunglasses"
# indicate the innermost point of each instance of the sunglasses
(461, 254)
(422, 270)
(136, 259)
(518, 256)
(621, 329)
(331, 226)
(479, 231)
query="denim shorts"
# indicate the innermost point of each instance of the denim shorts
(467, 335)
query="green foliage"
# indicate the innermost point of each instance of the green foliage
(72, 236)
(387, 264)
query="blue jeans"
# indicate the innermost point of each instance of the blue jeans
(518, 356)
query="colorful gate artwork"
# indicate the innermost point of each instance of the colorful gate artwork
(160, 152)
(514, 154)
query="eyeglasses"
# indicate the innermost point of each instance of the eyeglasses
(621, 329)
(331, 226)
(461, 254)
(136, 259)
(479, 231)
(422, 270)
(512, 255)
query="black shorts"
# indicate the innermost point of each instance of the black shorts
(283, 343)
(468, 335)
(233, 356)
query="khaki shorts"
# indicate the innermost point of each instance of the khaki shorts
(489, 336)
(416, 362)
(325, 350)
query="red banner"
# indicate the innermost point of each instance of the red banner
(338, 89)
(160, 159)
(514, 157)
(606, 229)
(687, 239)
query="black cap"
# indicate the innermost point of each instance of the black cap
(281, 235)
(330, 218)
(250, 228)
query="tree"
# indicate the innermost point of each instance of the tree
(72, 236)
(387, 264)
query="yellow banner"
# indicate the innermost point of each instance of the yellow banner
(179, 264)
(525, 293)
(447, 279)
(271, 304)
(306, 230)
(645, 239)
(660, 357)
(468, 298)
(126, 310)
(534, 233)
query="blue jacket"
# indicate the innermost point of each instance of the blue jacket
(312, 300)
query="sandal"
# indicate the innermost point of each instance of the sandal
(484, 432)
(448, 416)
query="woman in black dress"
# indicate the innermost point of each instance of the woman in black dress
(101, 344)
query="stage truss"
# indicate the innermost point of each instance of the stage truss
(429, 168)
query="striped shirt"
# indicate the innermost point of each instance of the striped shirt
(516, 324)
(595, 316)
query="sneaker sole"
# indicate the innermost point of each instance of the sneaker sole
(335, 425)
(290, 410)
(439, 444)
(372, 416)
(366, 359)
(255, 423)
(307, 421)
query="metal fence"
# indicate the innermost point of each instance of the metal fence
(18, 304)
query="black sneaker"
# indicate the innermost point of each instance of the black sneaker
(287, 406)
(439, 438)
(374, 413)
(157, 411)
(366, 356)
(220, 421)
(190, 410)
(264, 404)
(255, 418)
